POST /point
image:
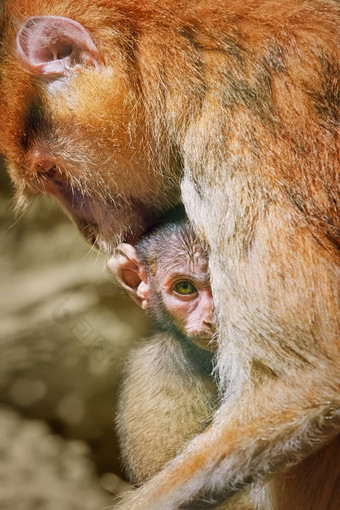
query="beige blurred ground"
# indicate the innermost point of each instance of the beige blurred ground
(65, 330)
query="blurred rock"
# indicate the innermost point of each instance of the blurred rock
(39, 470)
(65, 329)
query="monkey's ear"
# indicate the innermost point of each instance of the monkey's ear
(54, 46)
(128, 271)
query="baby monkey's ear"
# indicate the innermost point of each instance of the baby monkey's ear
(130, 274)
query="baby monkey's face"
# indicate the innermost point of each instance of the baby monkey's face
(172, 284)
(184, 286)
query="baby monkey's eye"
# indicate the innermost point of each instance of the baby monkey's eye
(185, 288)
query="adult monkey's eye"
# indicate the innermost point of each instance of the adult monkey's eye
(185, 288)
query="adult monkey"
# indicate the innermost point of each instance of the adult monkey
(238, 102)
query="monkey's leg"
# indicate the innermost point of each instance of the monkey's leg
(276, 427)
(313, 483)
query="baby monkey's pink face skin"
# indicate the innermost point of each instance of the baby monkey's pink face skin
(184, 286)
(179, 284)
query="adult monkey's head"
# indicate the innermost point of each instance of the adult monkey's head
(75, 118)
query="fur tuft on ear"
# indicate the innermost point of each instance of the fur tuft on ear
(54, 46)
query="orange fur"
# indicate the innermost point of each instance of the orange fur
(232, 107)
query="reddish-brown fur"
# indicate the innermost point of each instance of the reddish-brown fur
(237, 103)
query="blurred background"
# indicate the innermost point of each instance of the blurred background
(65, 331)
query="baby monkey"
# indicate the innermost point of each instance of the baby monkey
(168, 394)
(167, 275)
